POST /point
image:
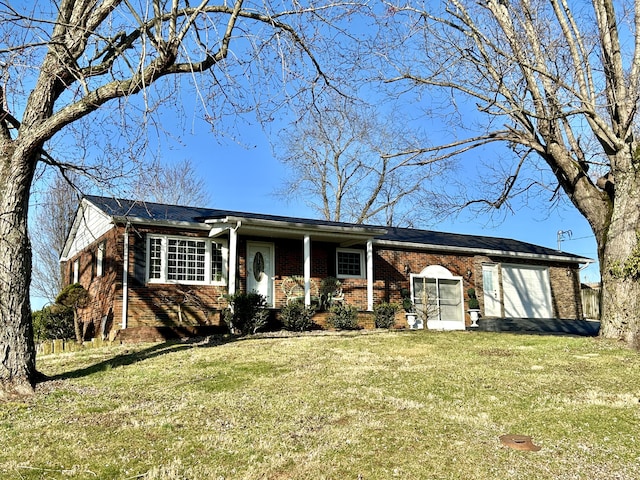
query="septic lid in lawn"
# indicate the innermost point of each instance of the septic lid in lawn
(519, 442)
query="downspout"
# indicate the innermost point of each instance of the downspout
(125, 277)
(370, 275)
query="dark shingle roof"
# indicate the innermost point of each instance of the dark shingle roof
(155, 212)
(468, 242)
(178, 213)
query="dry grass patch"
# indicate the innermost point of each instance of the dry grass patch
(378, 405)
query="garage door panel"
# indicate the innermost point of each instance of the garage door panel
(527, 292)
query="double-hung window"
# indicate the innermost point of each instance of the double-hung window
(186, 260)
(349, 263)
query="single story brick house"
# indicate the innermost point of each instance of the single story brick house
(167, 266)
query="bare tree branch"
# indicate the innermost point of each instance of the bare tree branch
(549, 77)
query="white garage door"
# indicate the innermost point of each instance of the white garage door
(527, 292)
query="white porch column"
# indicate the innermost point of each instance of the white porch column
(307, 270)
(369, 275)
(233, 258)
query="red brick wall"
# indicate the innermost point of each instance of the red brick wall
(103, 289)
(565, 292)
(173, 305)
(160, 305)
(392, 269)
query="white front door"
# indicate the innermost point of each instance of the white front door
(260, 269)
(491, 287)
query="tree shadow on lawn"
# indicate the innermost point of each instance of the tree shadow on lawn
(172, 346)
(131, 358)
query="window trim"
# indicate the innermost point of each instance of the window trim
(164, 264)
(360, 254)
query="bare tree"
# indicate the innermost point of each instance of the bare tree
(54, 213)
(63, 63)
(172, 183)
(338, 161)
(558, 83)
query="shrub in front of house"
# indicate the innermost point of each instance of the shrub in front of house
(247, 312)
(474, 304)
(296, 317)
(75, 297)
(343, 317)
(54, 322)
(385, 314)
(407, 303)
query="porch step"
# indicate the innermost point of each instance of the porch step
(537, 325)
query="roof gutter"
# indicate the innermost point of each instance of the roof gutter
(484, 251)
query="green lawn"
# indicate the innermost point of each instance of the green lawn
(375, 405)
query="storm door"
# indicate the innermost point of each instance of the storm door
(437, 296)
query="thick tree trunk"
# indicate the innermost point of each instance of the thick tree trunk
(620, 309)
(619, 255)
(17, 349)
(77, 328)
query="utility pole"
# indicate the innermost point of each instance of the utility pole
(561, 234)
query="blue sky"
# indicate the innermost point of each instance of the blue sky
(244, 177)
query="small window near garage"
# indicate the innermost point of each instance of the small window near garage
(349, 263)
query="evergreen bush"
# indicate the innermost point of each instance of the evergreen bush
(407, 304)
(296, 317)
(75, 297)
(385, 314)
(343, 317)
(247, 312)
(53, 322)
(473, 302)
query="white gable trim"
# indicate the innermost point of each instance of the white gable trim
(88, 226)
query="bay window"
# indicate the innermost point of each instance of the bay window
(186, 260)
